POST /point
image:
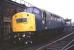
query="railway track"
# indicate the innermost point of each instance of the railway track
(43, 45)
(63, 43)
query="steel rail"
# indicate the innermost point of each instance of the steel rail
(56, 41)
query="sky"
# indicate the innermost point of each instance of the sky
(63, 8)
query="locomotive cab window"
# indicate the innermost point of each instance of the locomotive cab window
(33, 10)
(29, 10)
(19, 20)
(36, 11)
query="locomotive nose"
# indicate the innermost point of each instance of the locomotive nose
(23, 22)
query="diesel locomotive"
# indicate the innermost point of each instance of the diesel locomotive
(32, 22)
(20, 23)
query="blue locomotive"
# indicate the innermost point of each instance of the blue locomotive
(32, 22)
(22, 23)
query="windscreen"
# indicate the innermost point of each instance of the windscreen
(29, 10)
(33, 10)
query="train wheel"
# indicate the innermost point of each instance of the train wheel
(28, 43)
(28, 40)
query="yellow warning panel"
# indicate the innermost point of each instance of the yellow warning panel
(23, 22)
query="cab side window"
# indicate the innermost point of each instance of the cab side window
(36, 11)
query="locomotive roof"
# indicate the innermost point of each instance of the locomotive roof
(53, 15)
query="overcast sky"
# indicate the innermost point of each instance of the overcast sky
(64, 8)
